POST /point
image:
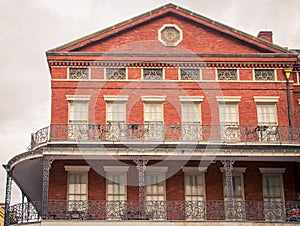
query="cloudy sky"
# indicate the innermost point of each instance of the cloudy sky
(28, 28)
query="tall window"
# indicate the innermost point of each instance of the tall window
(116, 117)
(229, 118)
(191, 117)
(267, 118)
(273, 193)
(77, 187)
(155, 192)
(153, 117)
(78, 117)
(194, 195)
(116, 184)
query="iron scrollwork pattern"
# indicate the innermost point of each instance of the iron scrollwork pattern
(264, 75)
(116, 73)
(227, 74)
(153, 74)
(78, 73)
(190, 74)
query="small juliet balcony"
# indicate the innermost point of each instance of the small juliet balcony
(188, 132)
(197, 211)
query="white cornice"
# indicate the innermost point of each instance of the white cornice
(153, 98)
(77, 168)
(233, 99)
(116, 168)
(272, 170)
(115, 98)
(188, 169)
(266, 99)
(191, 98)
(78, 97)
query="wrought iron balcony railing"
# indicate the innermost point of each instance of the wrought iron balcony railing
(187, 132)
(244, 211)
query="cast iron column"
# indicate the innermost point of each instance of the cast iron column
(8, 198)
(47, 161)
(141, 166)
(229, 205)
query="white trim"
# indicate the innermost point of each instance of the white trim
(77, 168)
(235, 170)
(115, 98)
(153, 98)
(78, 97)
(298, 101)
(162, 169)
(272, 170)
(191, 169)
(174, 26)
(191, 98)
(116, 168)
(266, 99)
(232, 99)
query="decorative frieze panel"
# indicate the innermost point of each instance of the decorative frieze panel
(78, 73)
(116, 73)
(190, 74)
(264, 75)
(227, 74)
(153, 74)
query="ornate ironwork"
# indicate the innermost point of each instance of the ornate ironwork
(214, 210)
(141, 163)
(47, 161)
(227, 74)
(116, 73)
(8, 198)
(190, 74)
(153, 74)
(164, 132)
(78, 73)
(40, 137)
(264, 75)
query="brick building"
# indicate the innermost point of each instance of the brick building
(168, 116)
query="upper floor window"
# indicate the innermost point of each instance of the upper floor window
(266, 110)
(78, 73)
(264, 75)
(190, 74)
(116, 73)
(78, 109)
(153, 74)
(227, 74)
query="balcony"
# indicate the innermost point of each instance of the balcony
(166, 133)
(199, 211)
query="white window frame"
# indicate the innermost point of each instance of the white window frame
(84, 99)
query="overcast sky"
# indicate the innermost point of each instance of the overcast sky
(28, 28)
